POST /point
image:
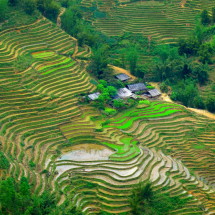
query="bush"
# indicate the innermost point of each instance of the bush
(110, 111)
(164, 87)
(118, 103)
(4, 163)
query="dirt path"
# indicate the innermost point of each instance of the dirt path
(166, 98)
(121, 70)
(59, 16)
(203, 112)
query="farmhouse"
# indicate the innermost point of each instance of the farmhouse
(154, 93)
(124, 93)
(122, 77)
(94, 96)
(137, 87)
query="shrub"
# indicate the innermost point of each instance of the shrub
(4, 163)
(110, 111)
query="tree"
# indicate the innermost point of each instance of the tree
(13, 2)
(112, 90)
(49, 9)
(132, 58)
(200, 72)
(118, 103)
(189, 47)
(185, 92)
(4, 163)
(205, 18)
(205, 52)
(99, 61)
(3, 9)
(210, 103)
(198, 102)
(213, 15)
(16, 198)
(29, 6)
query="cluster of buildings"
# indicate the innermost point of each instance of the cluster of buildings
(130, 90)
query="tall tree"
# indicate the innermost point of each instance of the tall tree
(205, 18)
(132, 58)
(29, 6)
(3, 9)
(99, 61)
(213, 15)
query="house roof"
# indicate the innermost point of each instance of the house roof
(154, 92)
(124, 93)
(123, 77)
(137, 87)
(94, 96)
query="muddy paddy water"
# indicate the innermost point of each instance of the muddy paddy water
(87, 152)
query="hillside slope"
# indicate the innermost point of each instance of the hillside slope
(81, 155)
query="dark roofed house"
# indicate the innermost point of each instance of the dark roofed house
(94, 96)
(154, 93)
(137, 87)
(122, 77)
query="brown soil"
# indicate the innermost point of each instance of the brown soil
(121, 70)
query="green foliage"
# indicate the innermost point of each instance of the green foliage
(3, 9)
(4, 163)
(205, 18)
(32, 164)
(110, 111)
(29, 6)
(145, 201)
(185, 92)
(49, 8)
(210, 103)
(118, 103)
(146, 102)
(189, 46)
(99, 62)
(132, 58)
(106, 93)
(164, 87)
(13, 2)
(74, 25)
(205, 52)
(213, 15)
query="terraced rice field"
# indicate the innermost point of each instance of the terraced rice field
(81, 155)
(156, 143)
(37, 99)
(164, 21)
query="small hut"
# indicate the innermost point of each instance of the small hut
(154, 93)
(122, 77)
(94, 96)
(124, 93)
